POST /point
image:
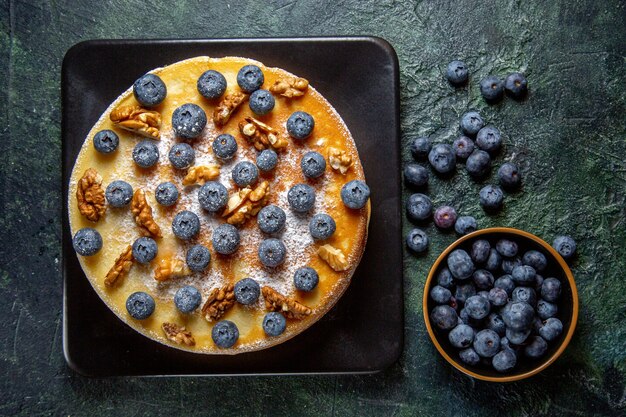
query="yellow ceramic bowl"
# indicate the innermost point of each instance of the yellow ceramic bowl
(568, 304)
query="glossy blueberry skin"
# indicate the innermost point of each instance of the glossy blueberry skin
(494, 260)
(460, 264)
(494, 322)
(492, 88)
(247, 291)
(420, 147)
(140, 305)
(491, 197)
(524, 275)
(149, 90)
(271, 219)
(536, 348)
(465, 225)
(211, 84)
(463, 147)
(464, 291)
(225, 147)
(146, 153)
(525, 294)
(478, 164)
(225, 334)
(546, 310)
(477, 307)
(119, 193)
(301, 198)
(445, 278)
(457, 73)
(535, 259)
(419, 207)
(144, 249)
(483, 279)
(444, 317)
(187, 299)
(565, 246)
(517, 337)
(245, 173)
(486, 343)
(305, 278)
(506, 283)
(213, 196)
(274, 324)
(504, 361)
(166, 194)
(300, 125)
(313, 164)
(322, 226)
(440, 295)
(538, 282)
(225, 239)
(106, 141)
(417, 240)
(507, 247)
(461, 336)
(471, 123)
(182, 155)
(551, 329)
(517, 315)
(198, 258)
(186, 225)
(272, 252)
(250, 78)
(355, 194)
(516, 85)
(509, 176)
(509, 263)
(267, 160)
(489, 139)
(484, 294)
(261, 102)
(87, 241)
(445, 217)
(415, 175)
(551, 289)
(188, 121)
(480, 251)
(469, 356)
(442, 158)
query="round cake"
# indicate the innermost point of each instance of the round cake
(219, 206)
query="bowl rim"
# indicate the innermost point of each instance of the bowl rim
(562, 264)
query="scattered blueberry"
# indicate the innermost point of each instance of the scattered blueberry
(523, 275)
(187, 299)
(477, 307)
(516, 85)
(146, 153)
(261, 102)
(149, 90)
(272, 252)
(225, 147)
(461, 336)
(300, 125)
(460, 264)
(440, 295)
(486, 343)
(536, 348)
(225, 239)
(186, 225)
(525, 294)
(213, 196)
(166, 194)
(313, 164)
(198, 258)
(267, 160)
(442, 158)
(551, 329)
(492, 88)
(445, 217)
(491, 197)
(483, 279)
(250, 78)
(494, 322)
(245, 173)
(182, 155)
(463, 292)
(535, 259)
(306, 278)
(355, 194)
(545, 309)
(144, 249)
(247, 291)
(106, 141)
(140, 305)
(301, 197)
(87, 241)
(478, 164)
(457, 73)
(494, 260)
(188, 121)
(444, 317)
(225, 334)
(415, 175)
(119, 193)
(445, 278)
(480, 251)
(463, 147)
(504, 361)
(211, 84)
(469, 356)
(517, 315)
(417, 240)
(465, 225)
(471, 123)
(508, 264)
(271, 219)
(551, 289)
(509, 176)
(419, 207)
(322, 226)
(420, 147)
(488, 139)
(506, 283)
(274, 324)
(565, 246)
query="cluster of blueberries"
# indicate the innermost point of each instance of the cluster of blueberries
(492, 87)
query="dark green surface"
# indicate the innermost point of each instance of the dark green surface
(568, 137)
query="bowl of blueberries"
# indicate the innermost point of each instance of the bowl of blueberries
(500, 304)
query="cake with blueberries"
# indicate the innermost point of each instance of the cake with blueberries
(219, 206)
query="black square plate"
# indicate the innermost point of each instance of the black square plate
(363, 333)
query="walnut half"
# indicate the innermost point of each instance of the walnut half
(227, 107)
(120, 267)
(334, 257)
(246, 203)
(201, 173)
(178, 334)
(275, 301)
(339, 160)
(137, 119)
(261, 135)
(218, 301)
(171, 268)
(90, 195)
(143, 215)
(290, 87)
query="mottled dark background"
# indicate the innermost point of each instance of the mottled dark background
(568, 137)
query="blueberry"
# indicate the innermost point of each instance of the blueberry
(415, 175)
(225, 147)
(225, 334)
(166, 194)
(211, 84)
(322, 226)
(477, 307)
(313, 164)
(87, 241)
(247, 291)
(106, 141)
(551, 329)
(506, 344)
(509, 176)
(440, 295)
(491, 197)
(471, 123)
(538, 282)
(480, 251)
(488, 139)
(198, 258)
(504, 361)
(463, 147)
(484, 294)
(445, 217)
(355, 194)
(267, 160)
(523, 275)
(149, 90)
(508, 264)
(301, 197)
(186, 225)
(483, 279)
(274, 324)
(516, 85)
(565, 246)
(465, 225)
(245, 173)
(442, 158)
(494, 260)
(444, 317)
(119, 193)
(271, 219)
(420, 147)
(417, 240)
(507, 247)
(469, 356)
(419, 207)
(535, 259)
(545, 309)
(272, 252)
(250, 78)
(306, 278)
(517, 315)
(213, 196)
(494, 322)
(146, 154)
(463, 292)
(445, 278)
(225, 239)
(536, 348)
(457, 73)
(478, 164)
(506, 283)
(525, 294)
(140, 305)
(460, 264)
(261, 102)
(187, 299)
(461, 336)
(517, 337)
(486, 343)
(182, 155)
(492, 88)
(551, 289)
(300, 125)
(188, 121)
(144, 249)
